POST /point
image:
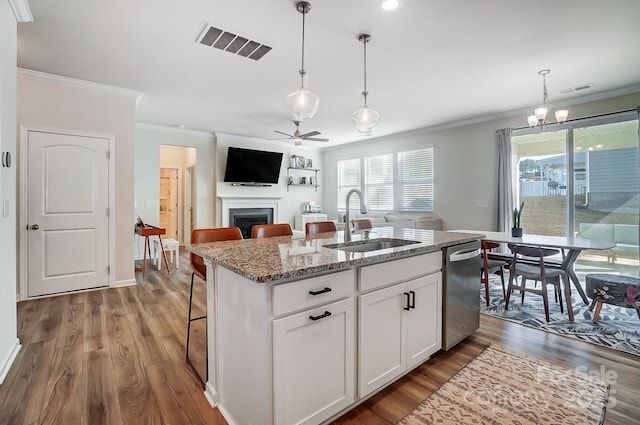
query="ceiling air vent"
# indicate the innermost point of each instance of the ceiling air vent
(232, 43)
(577, 89)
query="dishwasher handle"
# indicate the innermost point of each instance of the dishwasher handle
(464, 255)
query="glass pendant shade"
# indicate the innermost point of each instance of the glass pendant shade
(562, 115)
(365, 119)
(303, 104)
(541, 113)
(533, 121)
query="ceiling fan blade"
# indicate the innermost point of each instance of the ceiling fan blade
(280, 132)
(310, 134)
(280, 138)
(316, 139)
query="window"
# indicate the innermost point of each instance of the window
(378, 182)
(348, 178)
(391, 182)
(415, 180)
(583, 180)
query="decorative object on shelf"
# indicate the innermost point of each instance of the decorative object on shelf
(297, 170)
(298, 137)
(309, 163)
(516, 230)
(302, 102)
(365, 119)
(299, 161)
(539, 117)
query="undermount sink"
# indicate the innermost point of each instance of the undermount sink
(370, 245)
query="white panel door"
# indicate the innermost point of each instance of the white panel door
(424, 329)
(67, 213)
(381, 348)
(313, 364)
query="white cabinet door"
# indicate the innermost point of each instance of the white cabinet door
(314, 363)
(424, 330)
(382, 355)
(302, 219)
(399, 328)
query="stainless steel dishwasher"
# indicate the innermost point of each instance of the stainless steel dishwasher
(461, 292)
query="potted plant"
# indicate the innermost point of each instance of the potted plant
(516, 230)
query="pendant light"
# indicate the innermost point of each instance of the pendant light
(365, 119)
(302, 102)
(539, 116)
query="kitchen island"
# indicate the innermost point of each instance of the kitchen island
(300, 333)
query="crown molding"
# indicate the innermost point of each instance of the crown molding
(82, 84)
(21, 10)
(174, 129)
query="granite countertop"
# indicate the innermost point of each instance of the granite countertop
(284, 258)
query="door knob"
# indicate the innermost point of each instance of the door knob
(34, 227)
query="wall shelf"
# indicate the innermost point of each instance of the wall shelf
(291, 178)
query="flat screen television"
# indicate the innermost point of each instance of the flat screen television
(248, 166)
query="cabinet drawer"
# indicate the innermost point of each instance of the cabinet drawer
(312, 292)
(378, 275)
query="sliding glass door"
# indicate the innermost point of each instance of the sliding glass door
(583, 180)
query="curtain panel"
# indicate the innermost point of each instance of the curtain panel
(505, 180)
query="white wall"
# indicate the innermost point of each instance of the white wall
(465, 162)
(291, 201)
(149, 138)
(9, 343)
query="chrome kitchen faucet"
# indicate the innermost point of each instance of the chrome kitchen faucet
(363, 210)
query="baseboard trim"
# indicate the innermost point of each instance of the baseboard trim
(4, 368)
(211, 394)
(126, 282)
(227, 417)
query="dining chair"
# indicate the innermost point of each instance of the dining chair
(320, 227)
(491, 264)
(199, 269)
(269, 230)
(523, 265)
(362, 223)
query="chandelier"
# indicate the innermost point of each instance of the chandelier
(539, 116)
(365, 119)
(302, 102)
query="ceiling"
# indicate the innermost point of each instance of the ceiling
(430, 62)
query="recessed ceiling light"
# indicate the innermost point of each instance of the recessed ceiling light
(599, 146)
(579, 148)
(389, 5)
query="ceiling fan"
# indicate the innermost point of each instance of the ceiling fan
(298, 137)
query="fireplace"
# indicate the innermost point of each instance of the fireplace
(246, 218)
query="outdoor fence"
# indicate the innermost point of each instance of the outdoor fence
(543, 188)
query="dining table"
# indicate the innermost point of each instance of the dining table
(573, 246)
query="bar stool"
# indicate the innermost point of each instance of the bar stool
(362, 223)
(269, 230)
(200, 270)
(320, 227)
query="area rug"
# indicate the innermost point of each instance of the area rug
(501, 386)
(617, 328)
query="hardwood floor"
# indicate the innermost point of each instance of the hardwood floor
(116, 356)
